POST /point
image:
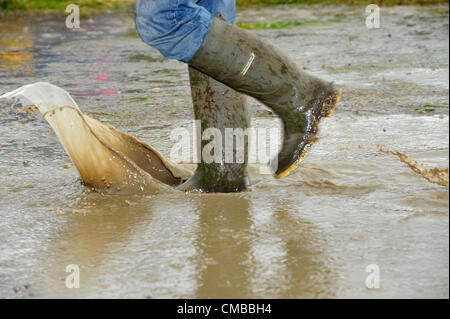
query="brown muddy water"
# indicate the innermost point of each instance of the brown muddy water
(348, 207)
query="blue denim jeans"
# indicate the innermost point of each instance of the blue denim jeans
(177, 28)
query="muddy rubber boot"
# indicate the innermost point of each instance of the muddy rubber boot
(218, 106)
(239, 59)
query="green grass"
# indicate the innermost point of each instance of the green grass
(62, 4)
(359, 2)
(118, 4)
(430, 107)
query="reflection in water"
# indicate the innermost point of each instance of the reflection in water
(223, 244)
(16, 39)
(307, 273)
(248, 248)
(92, 231)
(290, 257)
(16, 61)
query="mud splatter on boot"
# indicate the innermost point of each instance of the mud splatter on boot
(242, 61)
(218, 106)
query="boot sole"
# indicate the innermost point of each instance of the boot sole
(326, 113)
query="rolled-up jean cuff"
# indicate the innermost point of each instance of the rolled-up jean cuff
(178, 28)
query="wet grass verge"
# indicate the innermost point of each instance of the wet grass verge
(60, 5)
(358, 2)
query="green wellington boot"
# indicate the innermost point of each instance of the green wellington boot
(218, 106)
(239, 59)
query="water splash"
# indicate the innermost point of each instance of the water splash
(434, 175)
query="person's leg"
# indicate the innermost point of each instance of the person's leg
(220, 107)
(177, 28)
(242, 61)
(226, 7)
(239, 59)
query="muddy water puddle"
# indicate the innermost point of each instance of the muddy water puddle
(312, 234)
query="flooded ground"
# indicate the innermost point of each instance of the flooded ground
(349, 207)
